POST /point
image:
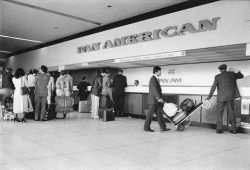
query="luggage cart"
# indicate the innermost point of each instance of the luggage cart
(182, 119)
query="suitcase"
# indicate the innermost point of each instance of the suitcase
(107, 114)
(83, 107)
(64, 104)
(51, 114)
(179, 116)
(187, 105)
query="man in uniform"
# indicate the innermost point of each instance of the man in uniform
(225, 82)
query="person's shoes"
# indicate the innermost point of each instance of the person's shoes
(23, 120)
(42, 120)
(219, 131)
(165, 129)
(233, 131)
(16, 119)
(148, 130)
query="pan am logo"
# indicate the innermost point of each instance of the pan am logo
(170, 80)
(170, 31)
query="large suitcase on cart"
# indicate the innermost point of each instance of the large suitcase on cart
(187, 108)
(107, 114)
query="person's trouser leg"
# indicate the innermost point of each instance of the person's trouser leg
(43, 107)
(116, 104)
(32, 96)
(220, 106)
(149, 116)
(159, 117)
(121, 103)
(95, 107)
(37, 107)
(92, 105)
(232, 118)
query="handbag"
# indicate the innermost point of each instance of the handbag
(25, 90)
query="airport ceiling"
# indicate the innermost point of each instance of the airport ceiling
(31, 24)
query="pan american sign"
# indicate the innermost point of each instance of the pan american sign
(169, 31)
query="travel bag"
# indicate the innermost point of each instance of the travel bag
(107, 114)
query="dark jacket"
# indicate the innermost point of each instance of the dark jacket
(96, 88)
(7, 81)
(119, 83)
(42, 80)
(155, 92)
(225, 83)
(83, 89)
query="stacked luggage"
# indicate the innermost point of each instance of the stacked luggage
(64, 105)
(7, 110)
(178, 117)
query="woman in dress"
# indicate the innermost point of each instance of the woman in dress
(21, 103)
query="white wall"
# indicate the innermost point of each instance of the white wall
(195, 78)
(232, 28)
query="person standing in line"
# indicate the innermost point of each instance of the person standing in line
(21, 102)
(155, 102)
(31, 79)
(96, 90)
(41, 93)
(68, 90)
(51, 88)
(225, 82)
(119, 84)
(82, 87)
(8, 86)
(106, 85)
(60, 84)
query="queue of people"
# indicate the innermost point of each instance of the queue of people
(41, 86)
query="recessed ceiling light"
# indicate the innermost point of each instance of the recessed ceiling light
(23, 39)
(2, 51)
(109, 6)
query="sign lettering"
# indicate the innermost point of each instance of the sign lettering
(170, 31)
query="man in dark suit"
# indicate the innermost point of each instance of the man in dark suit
(225, 82)
(155, 102)
(41, 93)
(119, 83)
(83, 89)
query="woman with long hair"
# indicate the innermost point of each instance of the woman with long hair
(21, 103)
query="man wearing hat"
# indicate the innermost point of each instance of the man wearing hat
(225, 82)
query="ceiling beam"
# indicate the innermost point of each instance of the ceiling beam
(52, 11)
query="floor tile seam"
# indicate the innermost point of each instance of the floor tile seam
(79, 162)
(121, 157)
(48, 147)
(112, 147)
(204, 145)
(37, 158)
(207, 155)
(27, 165)
(17, 159)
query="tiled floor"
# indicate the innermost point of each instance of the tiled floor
(79, 143)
